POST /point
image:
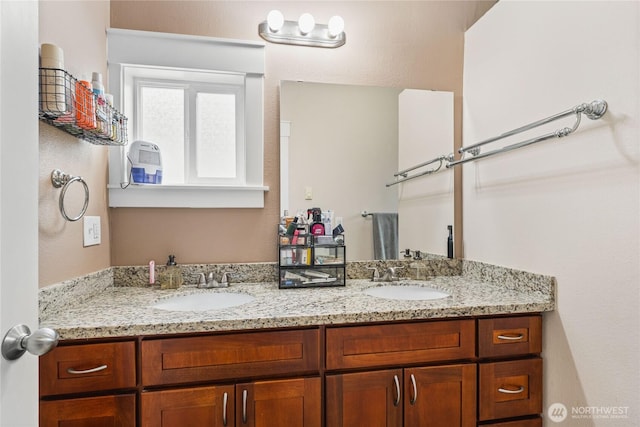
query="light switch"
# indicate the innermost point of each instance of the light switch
(91, 230)
(308, 193)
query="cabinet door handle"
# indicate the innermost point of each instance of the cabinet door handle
(509, 391)
(86, 371)
(414, 396)
(245, 393)
(397, 383)
(510, 337)
(225, 397)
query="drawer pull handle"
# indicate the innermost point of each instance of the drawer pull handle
(414, 396)
(510, 337)
(86, 371)
(225, 397)
(397, 383)
(509, 391)
(244, 406)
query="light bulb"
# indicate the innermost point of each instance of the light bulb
(306, 23)
(275, 19)
(336, 26)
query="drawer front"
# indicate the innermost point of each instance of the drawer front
(533, 422)
(510, 389)
(509, 336)
(396, 344)
(88, 367)
(232, 356)
(104, 411)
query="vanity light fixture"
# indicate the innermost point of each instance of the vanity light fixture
(304, 32)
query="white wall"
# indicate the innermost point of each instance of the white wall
(569, 207)
(425, 204)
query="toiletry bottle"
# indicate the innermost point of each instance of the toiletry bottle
(96, 84)
(85, 105)
(172, 275)
(100, 102)
(292, 227)
(317, 227)
(152, 272)
(327, 220)
(450, 242)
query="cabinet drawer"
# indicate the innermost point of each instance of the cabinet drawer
(510, 389)
(533, 422)
(104, 411)
(396, 344)
(88, 367)
(509, 336)
(232, 356)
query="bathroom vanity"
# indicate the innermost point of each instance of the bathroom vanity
(303, 357)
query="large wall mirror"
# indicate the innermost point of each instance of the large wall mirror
(342, 144)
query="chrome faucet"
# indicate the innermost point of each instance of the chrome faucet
(210, 282)
(390, 275)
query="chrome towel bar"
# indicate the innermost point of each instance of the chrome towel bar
(593, 110)
(405, 176)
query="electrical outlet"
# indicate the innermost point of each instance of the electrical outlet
(91, 230)
(308, 193)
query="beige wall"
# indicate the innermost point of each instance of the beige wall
(568, 207)
(79, 29)
(401, 44)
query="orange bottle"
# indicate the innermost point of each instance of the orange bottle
(85, 105)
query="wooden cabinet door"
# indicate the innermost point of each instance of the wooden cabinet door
(104, 411)
(190, 407)
(278, 403)
(440, 396)
(372, 399)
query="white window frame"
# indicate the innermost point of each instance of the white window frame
(192, 83)
(129, 49)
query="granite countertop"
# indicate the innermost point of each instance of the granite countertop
(128, 311)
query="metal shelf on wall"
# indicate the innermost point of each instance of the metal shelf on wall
(68, 105)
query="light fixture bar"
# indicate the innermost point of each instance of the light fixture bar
(290, 34)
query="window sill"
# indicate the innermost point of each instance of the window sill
(186, 196)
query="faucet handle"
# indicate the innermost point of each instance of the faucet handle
(201, 279)
(210, 279)
(393, 271)
(376, 274)
(225, 278)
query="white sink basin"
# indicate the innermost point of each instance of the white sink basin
(406, 292)
(204, 301)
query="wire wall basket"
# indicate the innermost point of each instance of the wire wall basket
(68, 104)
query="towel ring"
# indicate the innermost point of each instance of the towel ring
(64, 180)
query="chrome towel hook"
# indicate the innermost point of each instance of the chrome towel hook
(64, 180)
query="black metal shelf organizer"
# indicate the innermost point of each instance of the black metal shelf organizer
(307, 261)
(68, 105)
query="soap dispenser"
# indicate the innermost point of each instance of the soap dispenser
(172, 275)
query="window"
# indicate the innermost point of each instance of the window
(197, 120)
(200, 100)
